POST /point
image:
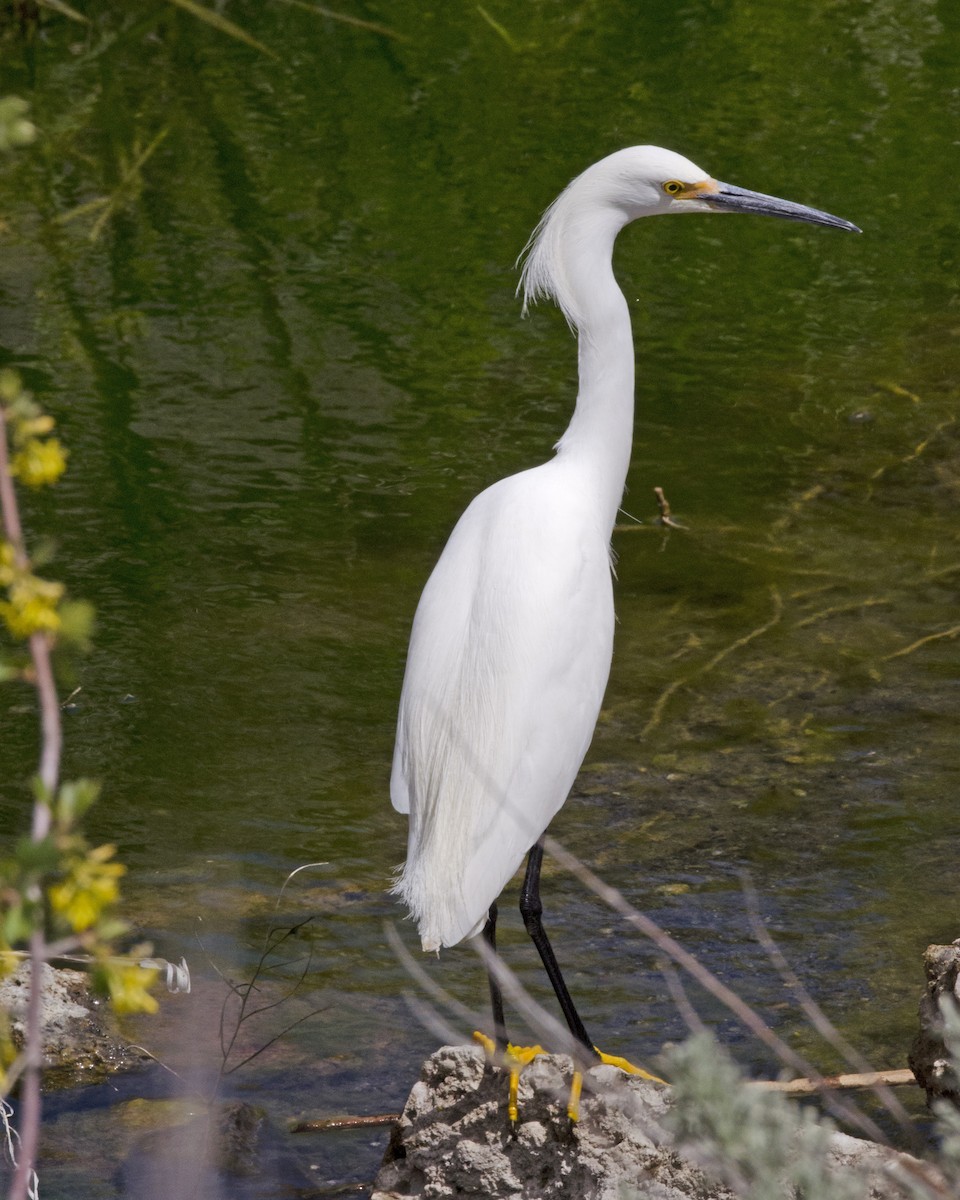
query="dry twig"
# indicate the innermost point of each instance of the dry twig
(674, 686)
(931, 637)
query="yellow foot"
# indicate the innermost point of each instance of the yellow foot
(612, 1060)
(609, 1060)
(515, 1058)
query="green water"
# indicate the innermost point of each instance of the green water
(292, 355)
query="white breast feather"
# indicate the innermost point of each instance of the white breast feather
(494, 722)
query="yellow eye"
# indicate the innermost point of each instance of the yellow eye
(673, 187)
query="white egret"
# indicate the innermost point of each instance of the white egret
(513, 636)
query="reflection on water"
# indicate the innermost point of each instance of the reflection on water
(292, 358)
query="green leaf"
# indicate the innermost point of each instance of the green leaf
(37, 857)
(18, 923)
(64, 10)
(223, 25)
(74, 799)
(76, 623)
(110, 928)
(41, 793)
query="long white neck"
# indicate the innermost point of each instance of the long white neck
(571, 260)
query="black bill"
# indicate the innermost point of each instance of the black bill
(729, 198)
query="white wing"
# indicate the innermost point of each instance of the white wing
(508, 661)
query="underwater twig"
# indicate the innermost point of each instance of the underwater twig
(896, 389)
(674, 686)
(942, 572)
(58, 6)
(347, 19)
(917, 450)
(223, 25)
(128, 185)
(835, 609)
(804, 498)
(931, 637)
(500, 30)
(276, 1037)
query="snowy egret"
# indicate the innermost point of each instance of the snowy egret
(513, 637)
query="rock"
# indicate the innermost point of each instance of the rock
(453, 1139)
(78, 1030)
(928, 1056)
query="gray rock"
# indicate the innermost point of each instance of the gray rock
(928, 1056)
(78, 1030)
(454, 1139)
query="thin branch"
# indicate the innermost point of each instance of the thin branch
(49, 770)
(500, 30)
(931, 637)
(899, 1077)
(324, 1124)
(918, 449)
(678, 993)
(58, 6)
(707, 980)
(347, 19)
(223, 25)
(658, 709)
(413, 968)
(664, 505)
(812, 1011)
(855, 606)
(811, 494)
(266, 1045)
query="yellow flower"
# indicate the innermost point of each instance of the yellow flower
(29, 615)
(39, 462)
(91, 885)
(28, 427)
(7, 560)
(31, 606)
(128, 983)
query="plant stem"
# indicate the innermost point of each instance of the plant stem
(49, 771)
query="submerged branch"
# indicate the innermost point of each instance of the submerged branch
(674, 686)
(931, 637)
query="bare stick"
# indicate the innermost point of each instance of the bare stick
(324, 1124)
(664, 505)
(899, 1077)
(49, 771)
(917, 450)
(854, 606)
(931, 637)
(814, 1013)
(658, 709)
(707, 980)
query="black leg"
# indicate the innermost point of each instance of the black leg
(496, 996)
(531, 910)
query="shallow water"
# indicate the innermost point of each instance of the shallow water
(294, 354)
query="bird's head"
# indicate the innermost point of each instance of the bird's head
(647, 180)
(641, 181)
